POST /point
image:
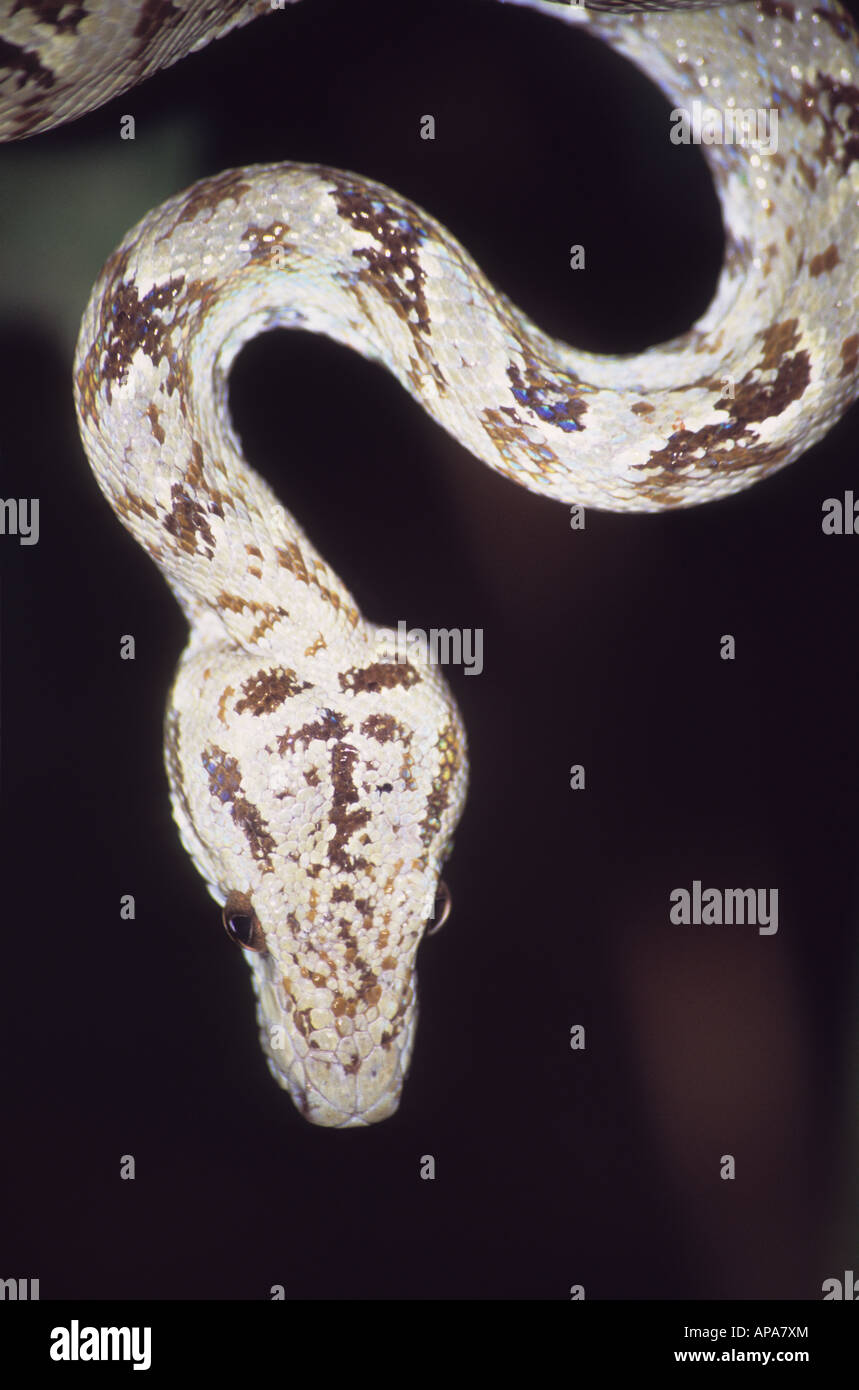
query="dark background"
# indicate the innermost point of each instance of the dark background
(554, 1167)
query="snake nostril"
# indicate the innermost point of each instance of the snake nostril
(242, 924)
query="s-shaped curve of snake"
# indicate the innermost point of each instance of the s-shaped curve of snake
(316, 779)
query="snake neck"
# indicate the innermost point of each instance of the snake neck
(171, 310)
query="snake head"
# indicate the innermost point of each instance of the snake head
(320, 811)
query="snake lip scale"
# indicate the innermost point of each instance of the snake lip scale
(315, 779)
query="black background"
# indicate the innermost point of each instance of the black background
(602, 647)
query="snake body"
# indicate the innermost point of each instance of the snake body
(315, 778)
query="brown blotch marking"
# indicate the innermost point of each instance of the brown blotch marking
(778, 340)
(34, 113)
(389, 963)
(270, 614)
(231, 602)
(827, 260)
(449, 763)
(777, 9)
(289, 557)
(134, 325)
(225, 784)
(224, 775)
(267, 243)
(155, 422)
(506, 429)
(255, 829)
(393, 268)
(839, 143)
(29, 68)
(51, 12)
(681, 452)
(128, 503)
(188, 521)
(90, 373)
(330, 726)
(345, 822)
(752, 402)
(195, 475)
(272, 233)
(155, 16)
(534, 391)
(225, 695)
(380, 675)
(641, 408)
(384, 728)
(128, 324)
(319, 644)
(267, 690)
(207, 195)
(849, 355)
(311, 777)
(345, 934)
(301, 1018)
(342, 894)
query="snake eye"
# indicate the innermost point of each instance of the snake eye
(241, 923)
(443, 904)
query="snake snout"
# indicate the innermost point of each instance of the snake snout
(343, 1063)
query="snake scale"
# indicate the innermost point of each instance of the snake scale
(315, 778)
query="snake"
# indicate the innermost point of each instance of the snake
(317, 772)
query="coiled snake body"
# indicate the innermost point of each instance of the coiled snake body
(315, 778)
